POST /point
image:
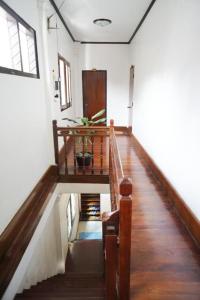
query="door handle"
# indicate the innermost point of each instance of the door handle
(130, 106)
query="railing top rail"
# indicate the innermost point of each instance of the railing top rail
(63, 134)
(101, 128)
(116, 157)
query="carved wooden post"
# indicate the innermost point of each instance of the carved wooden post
(55, 139)
(110, 158)
(125, 239)
(111, 266)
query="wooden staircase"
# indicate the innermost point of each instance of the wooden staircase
(90, 207)
(83, 280)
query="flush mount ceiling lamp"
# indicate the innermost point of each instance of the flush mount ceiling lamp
(102, 22)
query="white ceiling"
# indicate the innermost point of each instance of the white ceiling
(125, 16)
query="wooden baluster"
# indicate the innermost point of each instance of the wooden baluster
(125, 239)
(55, 139)
(83, 141)
(65, 151)
(92, 140)
(111, 266)
(74, 152)
(101, 154)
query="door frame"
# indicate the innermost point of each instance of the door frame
(131, 95)
(105, 91)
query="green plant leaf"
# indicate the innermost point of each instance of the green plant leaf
(84, 121)
(99, 114)
(100, 121)
(71, 120)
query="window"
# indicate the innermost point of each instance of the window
(65, 83)
(18, 51)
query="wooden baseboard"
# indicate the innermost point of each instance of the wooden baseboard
(17, 235)
(125, 130)
(187, 216)
(102, 179)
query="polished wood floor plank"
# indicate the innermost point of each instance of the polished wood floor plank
(165, 261)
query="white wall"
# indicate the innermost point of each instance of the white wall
(27, 109)
(54, 42)
(166, 117)
(26, 150)
(114, 59)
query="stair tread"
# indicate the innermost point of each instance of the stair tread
(90, 218)
(50, 297)
(66, 292)
(83, 279)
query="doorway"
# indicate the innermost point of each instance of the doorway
(130, 105)
(94, 92)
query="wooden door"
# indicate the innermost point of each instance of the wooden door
(94, 92)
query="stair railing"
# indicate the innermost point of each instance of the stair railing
(117, 228)
(73, 140)
(117, 225)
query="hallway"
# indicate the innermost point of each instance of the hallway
(165, 261)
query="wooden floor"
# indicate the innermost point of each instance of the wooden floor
(165, 261)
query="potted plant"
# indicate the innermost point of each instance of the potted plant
(84, 159)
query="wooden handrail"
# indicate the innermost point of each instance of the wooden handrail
(115, 153)
(15, 238)
(119, 221)
(121, 199)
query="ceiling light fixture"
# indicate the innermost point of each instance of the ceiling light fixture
(102, 22)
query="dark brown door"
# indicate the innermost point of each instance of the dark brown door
(94, 92)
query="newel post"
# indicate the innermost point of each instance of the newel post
(125, 238)
(111, 266)
(55, 139)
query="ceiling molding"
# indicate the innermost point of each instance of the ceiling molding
(113, 43)
(142, 20)
(110, 43)
(62, 19)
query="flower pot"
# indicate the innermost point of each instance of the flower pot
(83, 160)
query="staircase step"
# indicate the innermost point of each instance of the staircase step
(89, 206)
(82, 282)
(90, 218)
(49, 297)
(90, 196)
(61, 291)
(83, 279)
(90, 213)
(90, 202)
